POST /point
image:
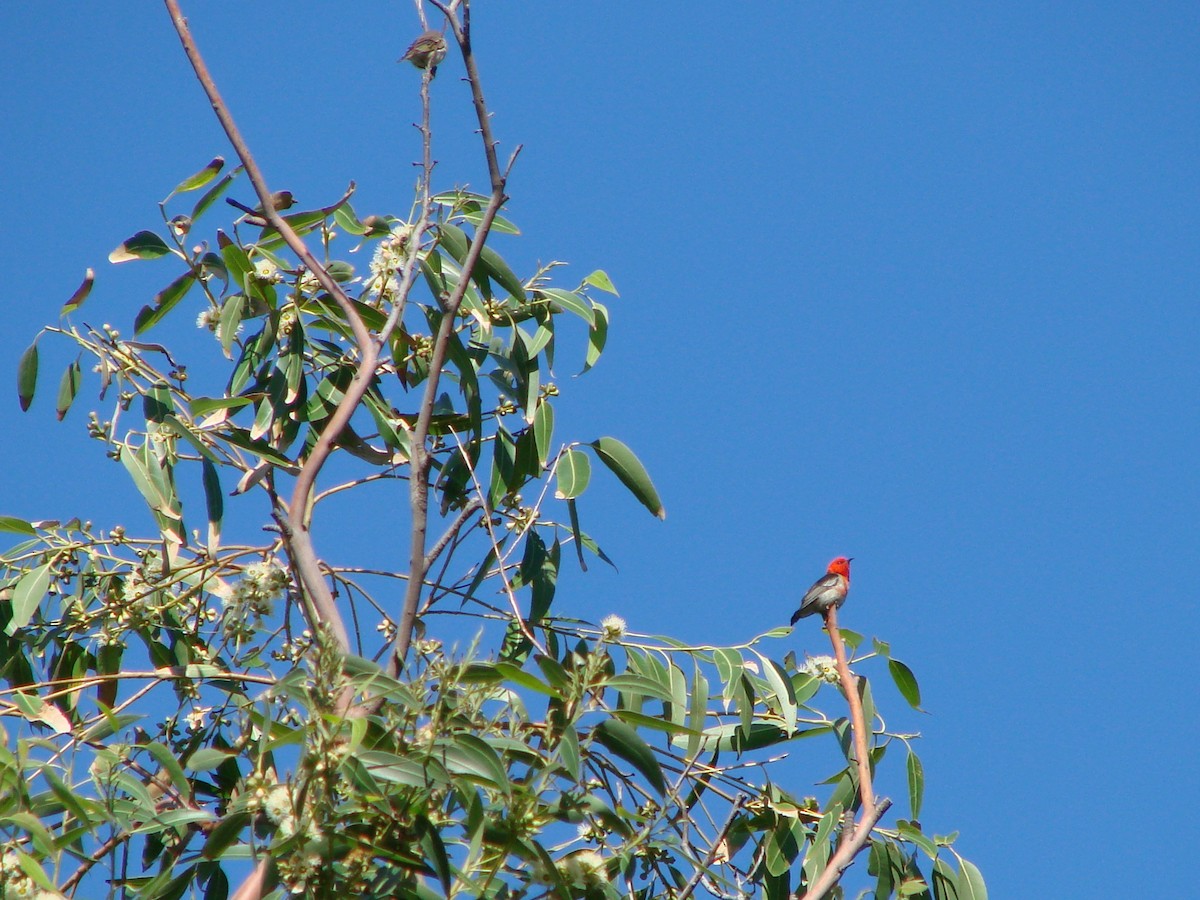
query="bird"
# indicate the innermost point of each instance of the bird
(426, 51)
(281, 200)
(828, 590)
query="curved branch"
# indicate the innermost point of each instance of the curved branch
(840, 861)
(849, 682)
(872, 810)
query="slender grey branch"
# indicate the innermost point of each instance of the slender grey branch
(841, 859)
(473, 505)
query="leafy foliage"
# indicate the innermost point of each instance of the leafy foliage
(179, 704)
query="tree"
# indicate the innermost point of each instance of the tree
(201, 716)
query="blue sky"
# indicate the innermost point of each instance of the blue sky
(914, 284)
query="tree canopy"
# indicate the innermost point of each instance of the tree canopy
(188, 714)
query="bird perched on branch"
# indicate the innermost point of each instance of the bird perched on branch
(426, 51)
(829, 590)
(281, 200)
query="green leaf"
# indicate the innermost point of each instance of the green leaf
(852, 638)
(30, 589)
(208, 758)
(156, 486)
(213, 194)
(568, 750)
(740, 738)
(236, 261)
(70, 800)
(214, 499)
(156, 404)
(545, 583)
(543, 430)
(224, 834)
(81, 292)
(945, 880)
(574, 472)
(466, 754)
(970, 881)
(27, 370)
(68, 387)
(916, 783)
(202, 406)
(908, 831)
(627, 467)
(817, 857)
(571, 302)
(524, 679)
(597, 335)
(165, 758)
(631, 682)
(496, 268)
(731, 668)
(625, 743)
(781, 686)
(406, 770)
(17, 526)
(201, 178)
(600, 279)
(454, 239)
(906, 683)
(143, 245)
(697, 710)
(346, 219)
(164, 302)
(435, 852)
(782, 848)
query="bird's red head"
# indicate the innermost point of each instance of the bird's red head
(840, 566)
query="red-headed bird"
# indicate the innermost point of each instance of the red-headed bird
(829, 590)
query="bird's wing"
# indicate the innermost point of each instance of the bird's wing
(814, 593)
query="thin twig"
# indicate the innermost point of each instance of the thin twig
(473, 505)
(714, 849)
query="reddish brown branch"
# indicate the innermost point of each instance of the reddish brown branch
(858, 725)
(850, 845)
(296, 533)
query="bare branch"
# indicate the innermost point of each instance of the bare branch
(252, 887)
(473, 506)
(840, 861)
(849, 682)
(849, 847)
(420, 459)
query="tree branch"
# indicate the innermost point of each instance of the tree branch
(296, 532)
(849, 847)
(420, 459)
(734, 809)
(858, 725)
(294, 521)
(841, 860)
